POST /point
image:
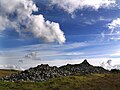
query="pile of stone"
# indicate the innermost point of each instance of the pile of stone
(44, 72)
(83, 68)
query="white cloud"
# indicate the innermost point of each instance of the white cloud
(74, 53)
(17, 14)
(54, 47)
(116, 54)
(48, 31)
(109, 65)
(31, 55)
(55, 54)
(59, 54)
(114, 27)
(114, 24)
(72, 5)
(115, 38)
(3, 22)
(14, 67)
(101, 18)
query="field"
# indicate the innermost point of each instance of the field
(88, 82)
(5, 72)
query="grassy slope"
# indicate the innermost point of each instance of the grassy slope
(90, 82)
(5, 72)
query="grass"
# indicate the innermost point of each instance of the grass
(88, 82)
(5, 72)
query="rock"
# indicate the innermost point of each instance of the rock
(85, 63)
(44, 72)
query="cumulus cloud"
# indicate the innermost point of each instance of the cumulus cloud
(18, 15)
(72, 5)
(114, 24)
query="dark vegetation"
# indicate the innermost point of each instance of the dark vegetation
(115, 71)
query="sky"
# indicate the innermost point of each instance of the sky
(58, 32)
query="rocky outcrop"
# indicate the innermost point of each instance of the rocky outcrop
(44, 72)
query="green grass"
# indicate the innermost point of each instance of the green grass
(89, 82)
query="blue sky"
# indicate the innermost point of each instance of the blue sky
(58, 32)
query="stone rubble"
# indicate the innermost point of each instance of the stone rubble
(44, 72)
